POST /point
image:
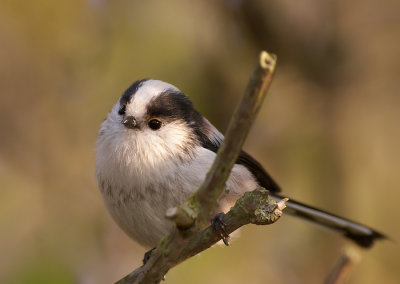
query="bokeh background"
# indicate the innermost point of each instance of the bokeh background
(329, 131)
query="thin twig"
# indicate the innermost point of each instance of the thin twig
(343, 266)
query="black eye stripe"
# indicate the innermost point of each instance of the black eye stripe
(122, 110)
(128, 94)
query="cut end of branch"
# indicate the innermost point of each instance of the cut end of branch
(171, 213)
(183, 216)
(261, 209)
(267, 60)
(282, 203)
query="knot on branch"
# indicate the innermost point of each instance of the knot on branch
(184, 216)
(260, 210)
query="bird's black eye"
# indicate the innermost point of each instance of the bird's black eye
(122, 110)
(154, 123)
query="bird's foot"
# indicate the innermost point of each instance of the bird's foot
(147, 255)
(219, 226)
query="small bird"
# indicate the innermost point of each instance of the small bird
(154, 150)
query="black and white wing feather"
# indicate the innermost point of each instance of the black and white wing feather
(362, 235)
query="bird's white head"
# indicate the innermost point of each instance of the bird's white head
(152, 125)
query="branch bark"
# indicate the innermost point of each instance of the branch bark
(189, 237)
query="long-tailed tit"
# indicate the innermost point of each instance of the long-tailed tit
(154, 150)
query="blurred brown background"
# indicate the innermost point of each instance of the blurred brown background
(328, 131)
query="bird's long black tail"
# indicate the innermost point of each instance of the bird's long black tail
(360, 234)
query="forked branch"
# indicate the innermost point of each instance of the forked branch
(189, 237)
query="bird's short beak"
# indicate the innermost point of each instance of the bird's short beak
(130, 122)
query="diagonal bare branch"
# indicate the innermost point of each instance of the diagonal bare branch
(189, 237)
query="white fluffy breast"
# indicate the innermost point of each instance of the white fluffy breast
(141, 176)
(123, 152)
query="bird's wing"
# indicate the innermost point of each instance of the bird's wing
(362, 235)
